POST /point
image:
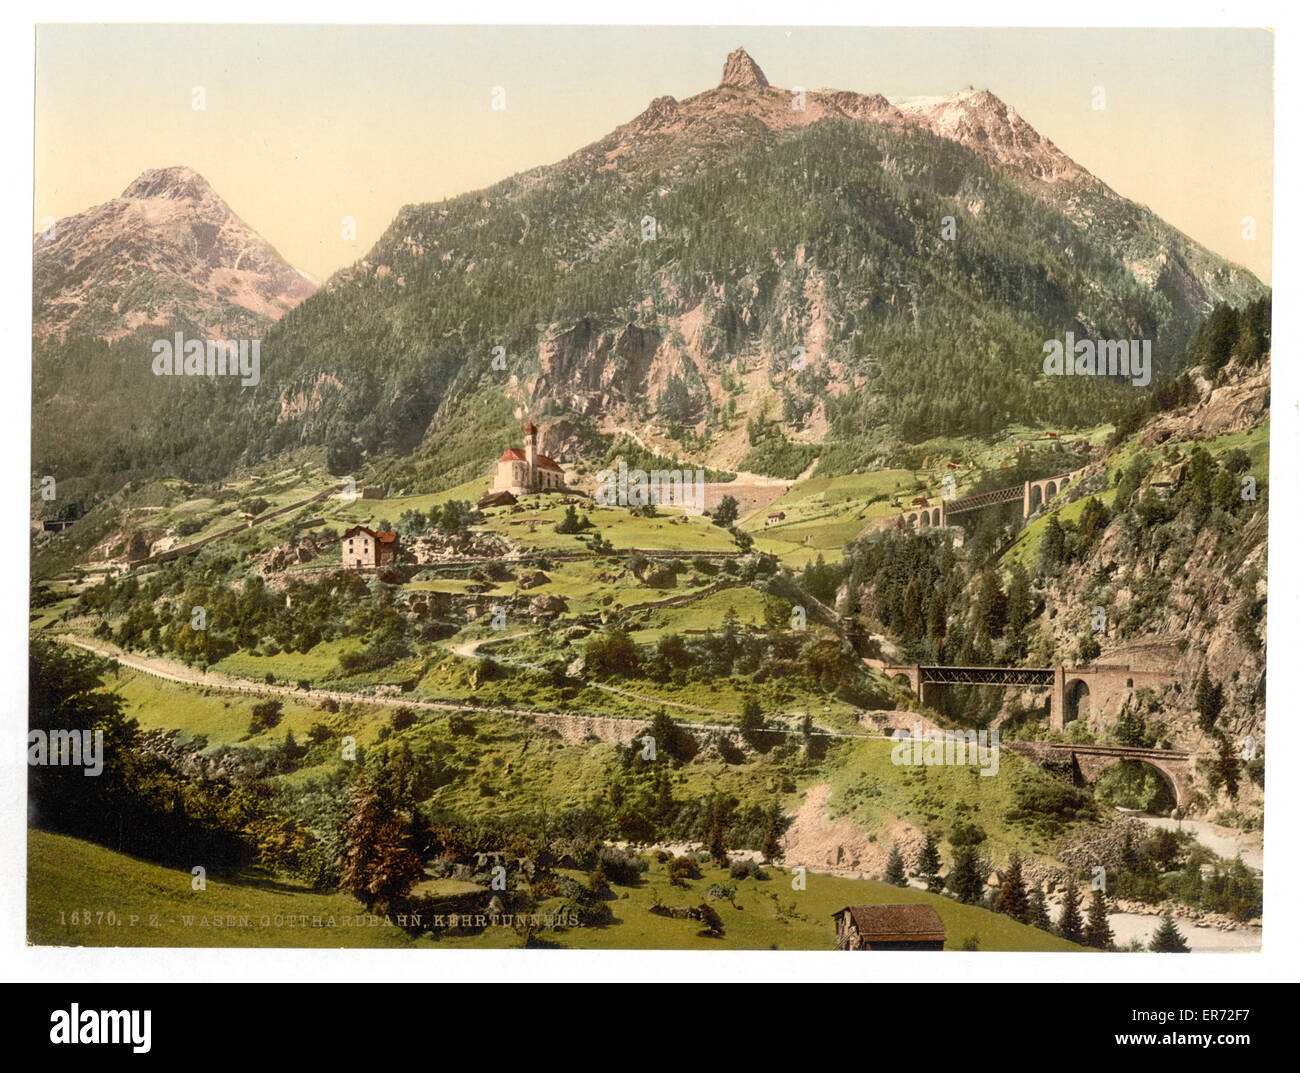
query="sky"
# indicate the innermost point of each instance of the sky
(305, 126)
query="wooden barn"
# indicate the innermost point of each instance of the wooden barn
(889, 927)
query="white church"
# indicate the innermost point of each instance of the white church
(521, 472)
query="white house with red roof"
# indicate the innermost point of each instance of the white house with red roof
(520, 472)
(363, 547)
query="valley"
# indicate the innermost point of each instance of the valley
(367, 635)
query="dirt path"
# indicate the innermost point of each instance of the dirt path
(178, 672)
(173, 671)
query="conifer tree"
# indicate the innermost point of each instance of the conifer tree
(1038, 915)
(1012, 897)
(1228, 766)
(992, 614)
(1097, 932)
(718, 831)
(969, 872)
(1168, 939)
(1019, 601)
(929, 864)
(1052, 553)
(1071, 923)
(1209, 702)
(896, 870)
(912, 622)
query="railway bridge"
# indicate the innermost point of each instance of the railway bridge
(1031, 495)
(1076, 692)
(1088, 761)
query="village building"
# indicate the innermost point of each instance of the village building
(496, 499)
(889, 927)
(521, 472)
(775, 517)
(365, 547)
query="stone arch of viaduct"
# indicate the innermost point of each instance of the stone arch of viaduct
(1087, 762)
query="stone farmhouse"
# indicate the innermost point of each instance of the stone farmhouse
(365, 547)
(889, 927)
(520, 472)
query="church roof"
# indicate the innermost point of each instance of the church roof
(514, 454)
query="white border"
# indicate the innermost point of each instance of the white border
(18, 962)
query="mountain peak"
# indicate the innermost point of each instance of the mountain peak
(170, 183)
(205, 267)
(987, 125)
(742, 72)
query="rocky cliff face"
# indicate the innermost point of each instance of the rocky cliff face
(1185, 596)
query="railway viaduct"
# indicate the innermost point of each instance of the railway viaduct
(1076, 692)
(1031, 495)
(1086, 762)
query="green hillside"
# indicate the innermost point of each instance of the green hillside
(68, 876)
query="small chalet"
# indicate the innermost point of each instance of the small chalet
(364, 547)
(889, 927)
(496, 499)
(776, 516)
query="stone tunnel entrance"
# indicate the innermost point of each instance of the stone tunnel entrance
(1077, 700)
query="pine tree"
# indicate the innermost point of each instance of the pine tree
(1038, 915)
(896, 869)
(1012, 897)
(718, 831)
(1052, 554)
(772, 823)
(1228, 767)
(992, 614)
(1168, 939)
(1019, 601)
(968, 875)
(1071, 923)
(936, 624)
(912, 611)
(929, 864)
(1209, 701)
(1097, 933)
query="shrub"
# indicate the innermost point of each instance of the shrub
(265, 716)
(681, 869)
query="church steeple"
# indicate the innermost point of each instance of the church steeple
(530, 444)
